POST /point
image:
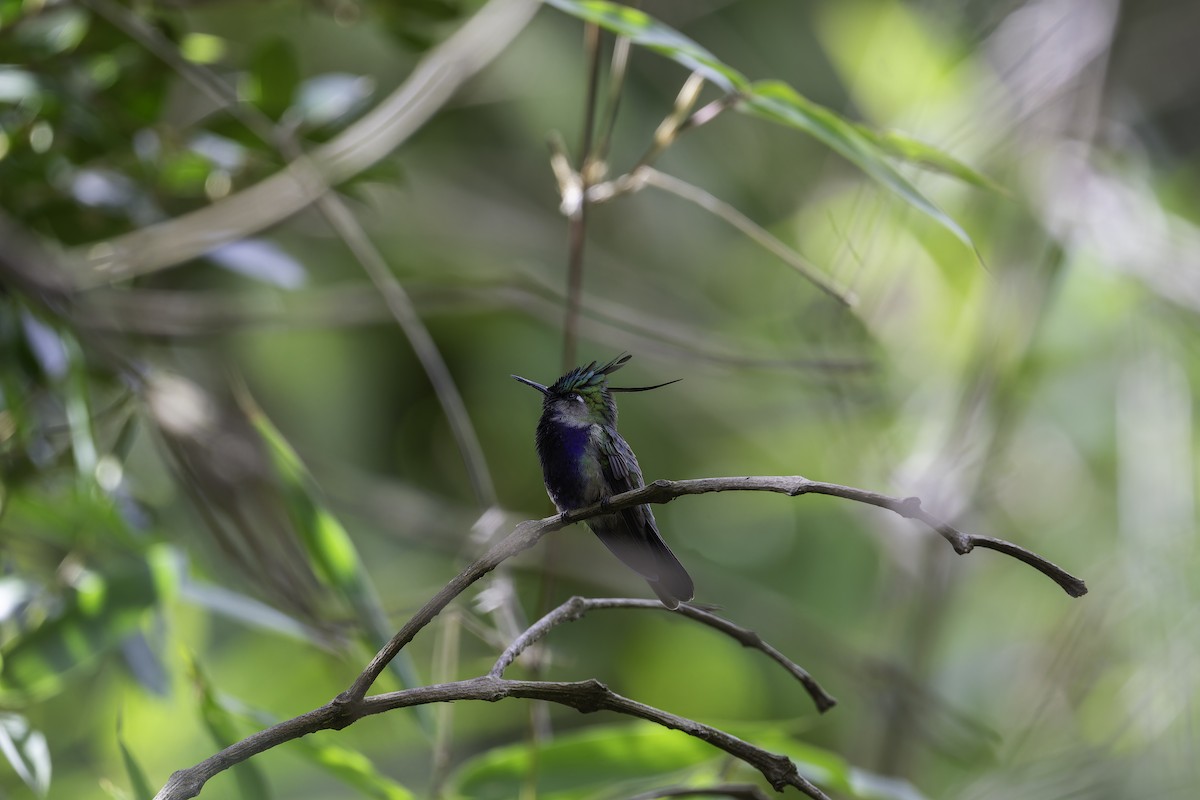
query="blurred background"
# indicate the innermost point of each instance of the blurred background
(227, 475)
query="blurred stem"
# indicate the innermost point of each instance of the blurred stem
(445, 670)
(616, 72)
(577, 222)
(425, 348)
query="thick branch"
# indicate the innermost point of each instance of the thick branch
(590, 696)
(584, 696)
(576, 607)
(740, 791)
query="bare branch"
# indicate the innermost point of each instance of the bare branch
(576, 607)
(591, 696)
(584, 696)
(663, 491)
(739, 791)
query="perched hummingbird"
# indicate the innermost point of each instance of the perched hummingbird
(584, 460)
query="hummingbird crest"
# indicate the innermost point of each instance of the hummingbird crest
(584, 460)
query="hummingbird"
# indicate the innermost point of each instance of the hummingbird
(584, 461)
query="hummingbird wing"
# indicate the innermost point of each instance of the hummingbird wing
(631, 533)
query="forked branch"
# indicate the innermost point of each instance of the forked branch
(587, 696)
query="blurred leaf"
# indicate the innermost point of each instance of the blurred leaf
(98, 611)
(45, 344)
(277, 74)
(333, 97)
(55, 31)
(26, 750)
(900, 145)
(826, 768)
(261, 260)
(347, 765)
(354, 769)
(778, 102)
(245, 609)
(223, 730)
(14, 594)
(145, 664)
(79, 414)
(184, 173)
(17, 85)
(138, 784)
(413, 21)
(644, 30)
(202, 48)
(577, 764)
(329, 546)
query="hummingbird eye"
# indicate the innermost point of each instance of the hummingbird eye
(579, 398)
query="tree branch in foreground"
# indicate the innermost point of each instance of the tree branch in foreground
(740, 791)
(586, 696)
(576, 607)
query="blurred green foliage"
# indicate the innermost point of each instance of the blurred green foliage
(1006, 190)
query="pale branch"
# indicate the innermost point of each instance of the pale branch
(576, 607)
(369, 139)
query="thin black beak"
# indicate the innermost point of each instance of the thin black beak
(528, 382)
(636, 388)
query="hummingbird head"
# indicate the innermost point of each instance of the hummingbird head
(583, 394)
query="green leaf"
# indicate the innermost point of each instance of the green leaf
(576, 764)
(902, 146)
(26, 750)
(184, 173)
(98, 611)
(349, 766)
(277, 74)
(330, 547)
(778, 102)
(354, 769)
(142, 790)
(826, 768)
(222, 728)
(644, 30)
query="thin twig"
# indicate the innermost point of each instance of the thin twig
(576, 607)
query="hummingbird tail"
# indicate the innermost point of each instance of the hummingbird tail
(674, 585)
(633, 537)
